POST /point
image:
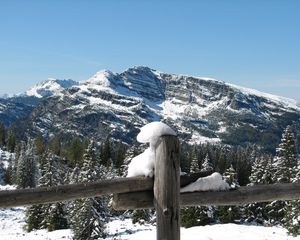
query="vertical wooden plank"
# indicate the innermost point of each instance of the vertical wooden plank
(167, 189)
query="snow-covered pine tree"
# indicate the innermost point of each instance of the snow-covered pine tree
(291, 220)
(11, 141)
(2, 135)
(260, 174)
(105, 152)
(230, 176)
(74, 175)
(27, 169)
(34, 217)
(285, 160)
(88, 215)
(118, 157)
(285, 168)
(50, 216)
(6, 174)
(194, 167)
(57, 217)
(207, 164)
(229, 214)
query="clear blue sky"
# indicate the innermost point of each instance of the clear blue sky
(251, 43)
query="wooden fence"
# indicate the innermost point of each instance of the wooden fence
(162, 192)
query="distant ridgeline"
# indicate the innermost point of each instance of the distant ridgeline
(112, 105)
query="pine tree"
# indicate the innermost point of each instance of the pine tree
(207, 165)
(88, 215)
(129, 155)
(11, 141)
(230, 176)
(105, 152)
(33, 218)
(74, 176)
(40, 145)
(118, 157)
(285, 170)
(56, 218)
(54, 144)
(27, 169)
(198, 215)
(291, 219)
(260, 174)
(75, 152)
(50, 216)
(229, 214)
(2, 135)
(286, 158)
(194, 167)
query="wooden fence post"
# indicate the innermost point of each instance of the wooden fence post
(167, 189)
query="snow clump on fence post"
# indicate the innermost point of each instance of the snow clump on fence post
(143, 164)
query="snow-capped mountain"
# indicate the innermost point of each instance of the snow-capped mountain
(5, 96)
(18, 106)
(200, 109)
(49, 87)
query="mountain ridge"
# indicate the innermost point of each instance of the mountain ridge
(201, 109)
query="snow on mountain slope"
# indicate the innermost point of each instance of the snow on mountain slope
(201, 109)
(49, 87)
(287, 102)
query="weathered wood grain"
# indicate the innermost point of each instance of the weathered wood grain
(167, 189)
(23, 197)
(240, 196)
(143, 199)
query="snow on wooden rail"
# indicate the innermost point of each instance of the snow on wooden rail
(240, 196)
(23, 197)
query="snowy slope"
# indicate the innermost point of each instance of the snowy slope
(49, 87)
(200, 109)
(122, 229)
(12, 222)
(17, 107)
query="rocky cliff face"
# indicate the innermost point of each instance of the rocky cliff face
(200, 109)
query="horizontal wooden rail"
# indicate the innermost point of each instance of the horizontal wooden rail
(23, 197)
(240, 196)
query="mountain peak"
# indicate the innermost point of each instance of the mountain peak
(102, 77)
(50, 87)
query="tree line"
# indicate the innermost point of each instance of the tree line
(56, 161)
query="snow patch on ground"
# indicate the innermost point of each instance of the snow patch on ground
(12, 222)
(126, 230)
(197, 138)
